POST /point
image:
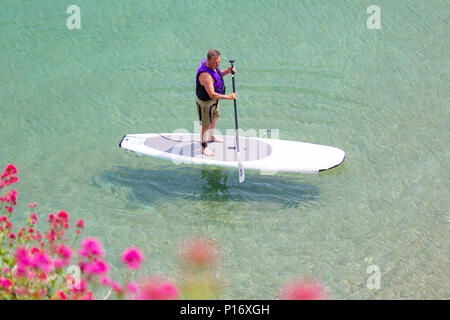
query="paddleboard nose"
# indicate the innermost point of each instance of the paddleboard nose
(120, 143)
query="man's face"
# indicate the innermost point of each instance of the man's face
(215, 62)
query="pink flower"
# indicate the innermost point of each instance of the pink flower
(22, 256)
(133, 258)
(63, 219)
(51, 218)
(106, 281)
(117, 288)
(5, 283)
(65, 251)
(200, 252)
(12, 236)
(132, 287)
(38, 236)
(23, 261)
(79, 287)
(98, 268)
(10, 170)
(33, 205)
(42, 262)
(304, 290)
(10, 181)
(60, 263)
(91, 247)
(62, 295)
(51, 235)
(115, 285)
(35, 250)
(80, 224)
(156, 289)
(88, 296)
(13, 196)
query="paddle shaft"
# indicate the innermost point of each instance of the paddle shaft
(235, 107)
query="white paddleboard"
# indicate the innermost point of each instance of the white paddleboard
(267, 155)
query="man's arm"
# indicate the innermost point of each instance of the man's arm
(225, 72)
(207, 81)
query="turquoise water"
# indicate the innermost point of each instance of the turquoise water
(311, 69)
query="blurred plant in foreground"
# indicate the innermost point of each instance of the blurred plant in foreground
(200, 276)
(304, 289)
(36, 265)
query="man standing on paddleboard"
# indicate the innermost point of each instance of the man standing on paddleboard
(210, 88)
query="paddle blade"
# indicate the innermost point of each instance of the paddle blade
(241, 173)
(241, 169)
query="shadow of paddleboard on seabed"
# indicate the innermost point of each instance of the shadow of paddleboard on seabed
(207, 184)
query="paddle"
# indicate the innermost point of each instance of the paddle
(238, 154)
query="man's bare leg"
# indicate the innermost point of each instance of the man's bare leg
(213, 125)
(204, 138)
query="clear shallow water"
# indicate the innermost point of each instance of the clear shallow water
(311, 69)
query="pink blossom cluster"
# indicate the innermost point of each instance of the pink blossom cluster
(5, 284)
(200, 252)
(304, 289)
(92, 261)
(9, 176)
(154, 289)
(59, 226)
(133, 258)
(34, 258)
(5, 225)
(10, 200)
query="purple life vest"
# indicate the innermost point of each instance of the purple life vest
(219, 85)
